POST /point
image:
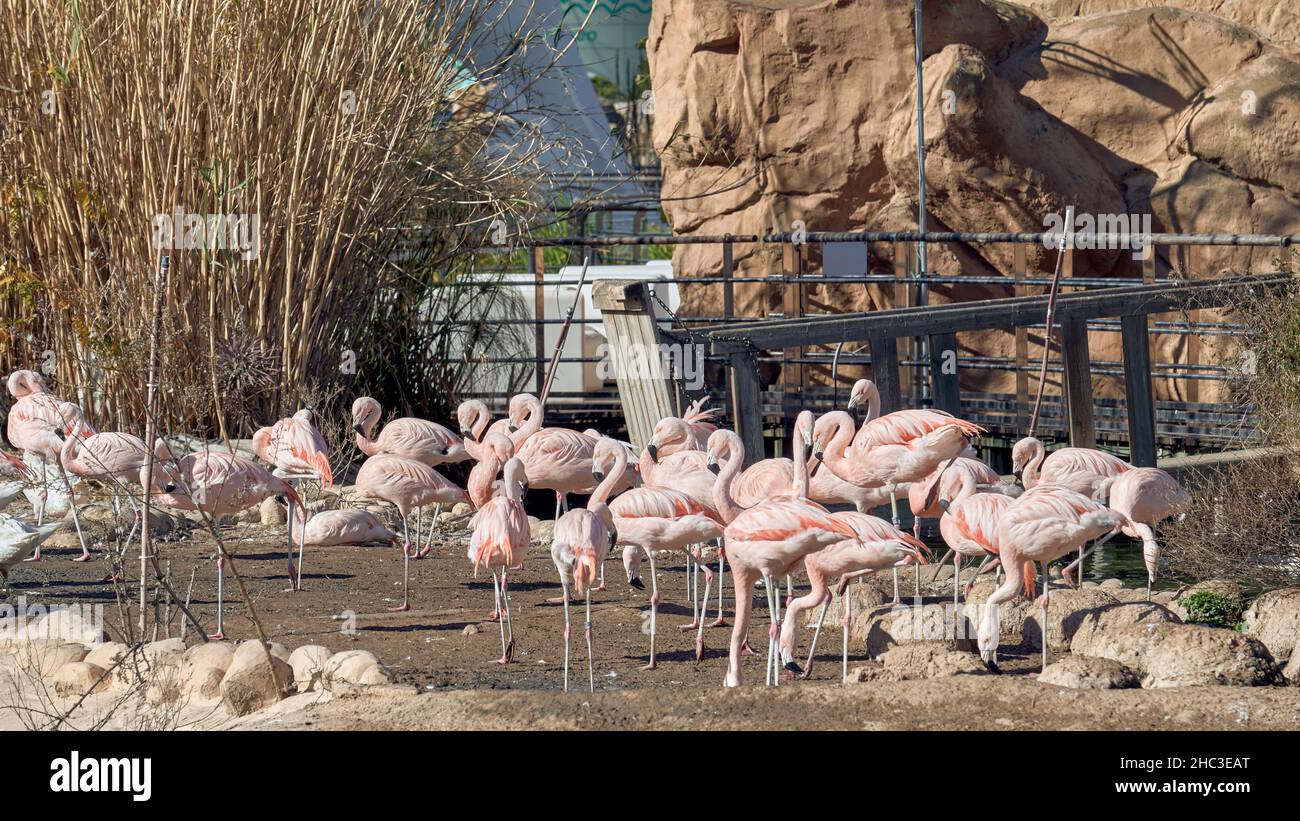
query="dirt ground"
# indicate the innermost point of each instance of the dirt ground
(444, 652)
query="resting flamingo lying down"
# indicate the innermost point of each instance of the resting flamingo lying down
(348, 526)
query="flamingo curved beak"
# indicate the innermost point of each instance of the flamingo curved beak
(714, 467)
(467, 434)
(356, 428)
(653, 450)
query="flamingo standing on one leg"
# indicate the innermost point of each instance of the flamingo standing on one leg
(878, 546)
(296, 449)
(1047, 522)
(771, 540)
(905, 446)
(582, 540)
(651, 519)
(406, 484)
(216, 483)
(500, 541)
(1146, 497)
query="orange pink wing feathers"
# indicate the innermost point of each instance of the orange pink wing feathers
(501, 534)
(783, 518)
(901, 427)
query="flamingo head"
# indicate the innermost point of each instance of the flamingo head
(605, 457)
(863, 392)
(671, 435)
(24, 383)
(365, 413)
(262, 445)
(722, 445)
(1023, 453)
(522, 405)
(468, 414)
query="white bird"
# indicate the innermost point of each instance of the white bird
(18, 539)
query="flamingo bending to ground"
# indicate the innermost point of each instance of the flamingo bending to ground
(771, 540)
(116, 459)
(216, 483)
(878, 546)
(652, 519)
(406, 484)
(1048, 522)
(410, 438)
(949, 477)
(582, 540)
(500, 541)
(1146, 497)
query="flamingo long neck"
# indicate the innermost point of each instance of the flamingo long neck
(800, 486)
(723, 501)
(965, 486)
(482, 418)
(611, 480)
(647, 467)
(68, 453)
(873, 406)
(532, 423)
(835, 449)
(365, 443)
(481, 476)
(1035, 464)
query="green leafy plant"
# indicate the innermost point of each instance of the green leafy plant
(1205, 607)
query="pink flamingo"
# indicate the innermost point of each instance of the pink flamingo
(1083, 470)
(216, 483)
(31, 430)
(878, 545)
(672, 459)
(296, 449)
(949, 478)
(115, 459)
(652, 519)
(345, 526)
(1146, 497)
(1047, 522)
(582, 540)
(410, 438)
(904, 446)
(700, 421)
(12, 468)
(475, 422)
(406, 484)
(557, 459)
(771, 540)
(494, 451)
(969, 527)
(500, 541)
(37, 419)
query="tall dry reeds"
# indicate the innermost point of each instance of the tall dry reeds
(332, 128)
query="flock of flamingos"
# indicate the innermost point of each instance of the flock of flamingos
(690, 486)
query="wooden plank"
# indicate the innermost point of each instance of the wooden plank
(645, 389)
(989, 313)
(884, 372)
(943, 371)
(1019, 264)
(1137, 390)
(1078, 382)
(747, 403)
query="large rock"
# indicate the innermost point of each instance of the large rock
(77, 678)
(309, 663)
(800, 113)
(1180, 655)
(1088, 673)
(255, 679)
(45, 656)
(1067, 610)
(354, 669)
(930, 660)
(1274, 619)
(216, 654)
(1093, 624)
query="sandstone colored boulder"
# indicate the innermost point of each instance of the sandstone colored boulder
(351, 669)
(107, 654)
(1088, 673)
(1274, 619)
(255, 679)
(930, 660)
(201, 681)
(76, 678)
(1183, 655)
(1279, 22)
(216, 654)
(1292, 669)
(45, 656)
(1096, 622)
(309, 663)
(1229, 590)
(39, 623)
(271, 513)
(163, 653)
(1067, 610)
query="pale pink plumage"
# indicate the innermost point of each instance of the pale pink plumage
(217, 483)
(347, 526)
(1083, 470)
(476, 423)
(295, 446)
(410, 438)
(1148, 496)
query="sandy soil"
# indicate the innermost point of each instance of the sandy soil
(444, 654)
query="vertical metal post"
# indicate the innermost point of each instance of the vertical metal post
(728, 287)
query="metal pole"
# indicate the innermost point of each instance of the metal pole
(923, 291)
(564, 334)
